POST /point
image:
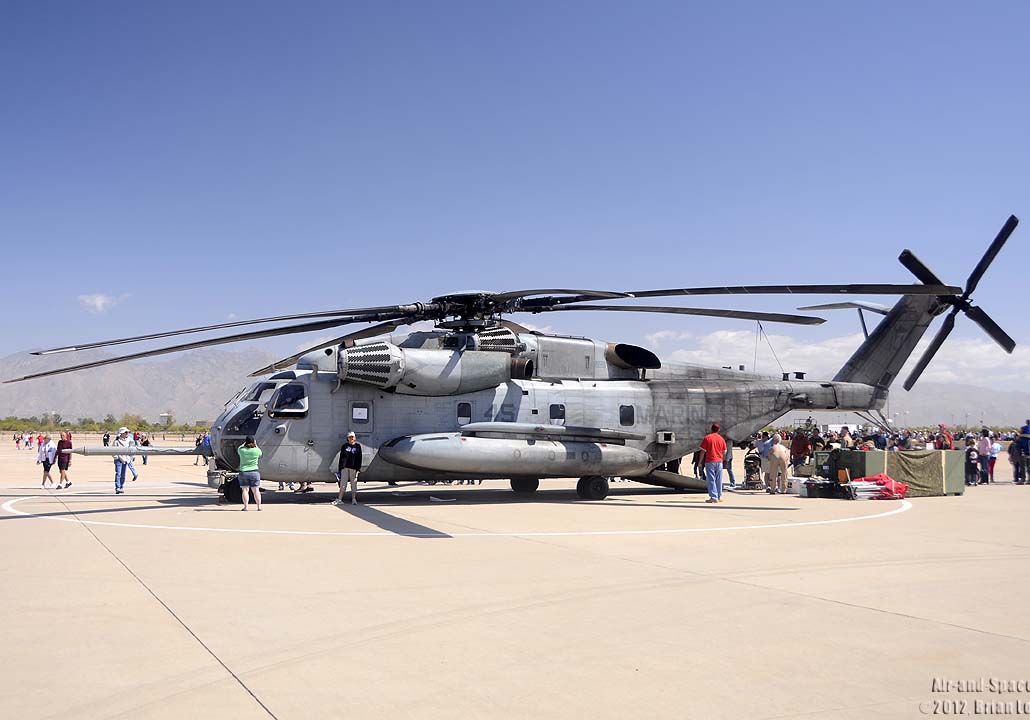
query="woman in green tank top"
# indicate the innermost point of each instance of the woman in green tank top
(250, 478)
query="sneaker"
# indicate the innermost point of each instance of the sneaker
(119, 491)
(58, 487)
(308, 489)
(280, 486)
(67, 486)
(711, 500)
(259, 509)
(244, 509)
(290, 486)
(353, 502)
(337, 502)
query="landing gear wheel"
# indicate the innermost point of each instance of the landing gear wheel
(592, 487)
(525, 485)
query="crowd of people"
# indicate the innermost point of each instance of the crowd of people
(781, 454)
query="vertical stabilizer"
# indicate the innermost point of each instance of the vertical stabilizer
(880, 358)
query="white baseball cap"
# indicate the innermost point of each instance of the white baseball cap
(123, 430)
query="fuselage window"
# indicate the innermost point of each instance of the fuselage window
(360, 413)
(557, 412)
(291, 400)
(464, 413)
(626, 415)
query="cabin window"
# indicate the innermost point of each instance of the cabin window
(464, 413)
(557, 412)
(289, 401)
(626, 415)
(361, 413)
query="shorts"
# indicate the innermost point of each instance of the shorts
(251, 478)
(47, 465)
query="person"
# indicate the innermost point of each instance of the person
(107, 438)
(144, 442)
(249, 477)
(945, 440)
(983, 450)
(695, 462)
(846, 441)
(779, 459)
(121, 462)
(727, 463)
(64, 460)
(1015, 452)
(817, 442)
(971, 462)
(800, 449)
(132, 456)
(45, 456)
(198, 442)
(763, 446)
(17, 441)
(350, 466)
(713, 447)
(995, 452)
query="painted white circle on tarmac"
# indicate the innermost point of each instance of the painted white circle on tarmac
(9, 507)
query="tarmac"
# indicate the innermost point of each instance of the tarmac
(472, 602)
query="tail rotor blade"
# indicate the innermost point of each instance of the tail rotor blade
(935, 345)
(917, 268)
(990, 327)
(988, 258)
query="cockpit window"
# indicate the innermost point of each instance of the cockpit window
(259, 392)
(244, 422)
(291, 400)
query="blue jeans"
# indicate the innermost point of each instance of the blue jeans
(713, 477)
(729, 469)
(985, 464)
(131, 469)
(119, 473)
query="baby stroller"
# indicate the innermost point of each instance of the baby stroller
(753, 471)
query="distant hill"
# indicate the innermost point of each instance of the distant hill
(195, 385)
(192, 386)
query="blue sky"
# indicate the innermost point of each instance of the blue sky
(196, 160)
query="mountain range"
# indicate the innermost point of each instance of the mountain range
(194, 386)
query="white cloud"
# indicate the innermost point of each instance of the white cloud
(655, 340)
(99, 302)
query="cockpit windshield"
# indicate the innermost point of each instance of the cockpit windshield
(259, 392)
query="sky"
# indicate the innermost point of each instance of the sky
(179, 164)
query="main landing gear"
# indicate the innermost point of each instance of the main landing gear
(525, 485)
(592, 487)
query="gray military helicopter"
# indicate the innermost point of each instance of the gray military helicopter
(480, 397)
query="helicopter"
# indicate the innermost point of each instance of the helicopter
(481, 397)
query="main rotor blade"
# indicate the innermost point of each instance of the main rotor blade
(990, 327)
(707, 312)
(592, 294)
(222, 326)
(867, 289)
(368, 332)
(935, 345)
(992, 252)
(915, 266)
(254, 335)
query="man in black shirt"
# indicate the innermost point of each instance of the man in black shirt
(350, 466)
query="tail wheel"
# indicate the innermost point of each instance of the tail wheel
(592, 487)
(525, 485)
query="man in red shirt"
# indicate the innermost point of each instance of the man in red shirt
(713, 447)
